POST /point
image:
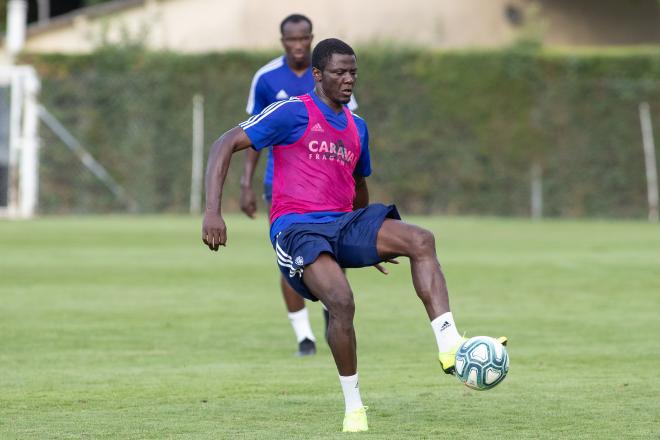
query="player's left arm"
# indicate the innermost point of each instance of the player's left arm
(361, 199)
(362, 171)
(363, 166)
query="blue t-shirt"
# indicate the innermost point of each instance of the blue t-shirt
(276, 82)
(285, 122)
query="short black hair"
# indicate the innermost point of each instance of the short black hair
(326, 48)
(295, 18)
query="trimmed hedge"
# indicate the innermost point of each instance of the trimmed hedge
(451, 132)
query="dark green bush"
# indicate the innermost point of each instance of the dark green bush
(451, 132)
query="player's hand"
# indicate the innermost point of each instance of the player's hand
(248, 201)
(382, 268)
(214, 231)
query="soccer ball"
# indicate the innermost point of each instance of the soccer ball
(481, 363)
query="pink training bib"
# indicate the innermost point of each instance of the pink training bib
(315, 173)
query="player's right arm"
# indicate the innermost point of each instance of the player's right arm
(214, 230)
(281, 123)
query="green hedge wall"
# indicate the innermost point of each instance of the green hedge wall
(451, 132)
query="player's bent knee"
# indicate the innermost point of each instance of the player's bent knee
(340, 304)
(422, 242)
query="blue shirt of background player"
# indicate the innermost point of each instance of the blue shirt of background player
(276, 82)
(283, 123)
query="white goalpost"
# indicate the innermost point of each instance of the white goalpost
(19, 141)
(19, 122)
(20, 113)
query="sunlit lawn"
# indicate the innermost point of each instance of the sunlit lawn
(127, 328)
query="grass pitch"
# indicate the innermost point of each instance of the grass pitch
(128, 328)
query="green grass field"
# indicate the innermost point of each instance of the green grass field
(128, 328)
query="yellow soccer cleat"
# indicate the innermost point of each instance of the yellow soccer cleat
(448, 358)
(356, 421)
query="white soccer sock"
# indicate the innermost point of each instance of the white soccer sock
(300, 323)
(445, 332)
(351, 389)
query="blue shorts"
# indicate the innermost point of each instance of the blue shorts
(268, 192)
(350, 239)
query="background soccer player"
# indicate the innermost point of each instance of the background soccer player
(320, 218)
(285, 76)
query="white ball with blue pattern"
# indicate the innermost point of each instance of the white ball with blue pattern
(481, 363)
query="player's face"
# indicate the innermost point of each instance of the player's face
(297, 41)
(338, 77)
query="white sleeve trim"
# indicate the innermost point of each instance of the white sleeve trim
(272, 65)
(268, 110)
(352, 104)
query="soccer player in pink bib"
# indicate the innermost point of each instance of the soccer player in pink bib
(321, 219)
(283, 77)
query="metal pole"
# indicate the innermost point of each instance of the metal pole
(16, 24)
(16, 110)
(43, 10)
(197, 155)
(537, 191)
(90, 163)
(29, 163)
(649, 159)
(14, 42)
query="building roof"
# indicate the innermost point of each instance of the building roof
(88, 11)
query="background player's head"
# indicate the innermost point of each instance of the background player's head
(297, 38)
(334, 66)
